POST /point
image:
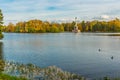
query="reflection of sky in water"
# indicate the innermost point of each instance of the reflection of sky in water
(72, 52)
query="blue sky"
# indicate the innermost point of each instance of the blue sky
(61, 10)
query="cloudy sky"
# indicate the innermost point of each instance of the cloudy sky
(23, 10)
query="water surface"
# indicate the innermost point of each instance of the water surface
(78, 53)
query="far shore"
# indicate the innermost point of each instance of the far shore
(94, 33)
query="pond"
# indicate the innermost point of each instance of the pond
(87, 54)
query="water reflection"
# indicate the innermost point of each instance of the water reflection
(1, 50)
(71, 52)
(1, 58)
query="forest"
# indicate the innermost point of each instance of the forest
(39, 26)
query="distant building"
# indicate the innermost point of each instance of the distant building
(76, 30)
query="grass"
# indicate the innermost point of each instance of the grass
(8, 77)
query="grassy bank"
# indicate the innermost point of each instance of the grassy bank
(8, 77)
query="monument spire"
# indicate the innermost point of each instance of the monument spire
(76, 30)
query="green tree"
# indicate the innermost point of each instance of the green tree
(1, 22)
(83, 25)
(54, 29)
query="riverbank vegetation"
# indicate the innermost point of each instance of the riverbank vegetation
(4, 76)
(32, 72)
(16, 71)
(38, 26)
(8, 77)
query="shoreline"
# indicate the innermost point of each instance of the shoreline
(31, 71)
(88, 33)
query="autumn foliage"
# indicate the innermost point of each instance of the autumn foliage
(34, 26)
(38, 26)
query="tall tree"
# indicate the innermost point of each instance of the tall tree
(1, 22)
(10, 28)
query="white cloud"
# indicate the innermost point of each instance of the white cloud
(62, 9)
(105, 17)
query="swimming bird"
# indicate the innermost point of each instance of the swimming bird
(112, 57)
(99, 50)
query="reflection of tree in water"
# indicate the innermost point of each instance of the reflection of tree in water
(1, 57)
(1, 51)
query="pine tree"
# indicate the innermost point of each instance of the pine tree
(1, 22)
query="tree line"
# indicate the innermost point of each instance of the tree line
(34, 26)
(38, 26)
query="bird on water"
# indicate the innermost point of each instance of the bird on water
(112, 57)
(99, 50)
